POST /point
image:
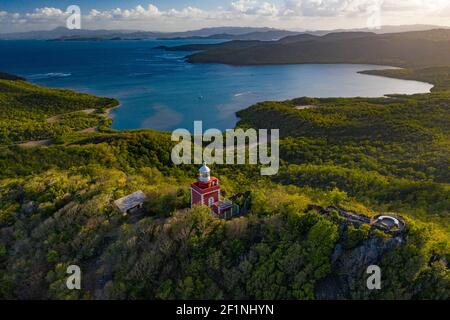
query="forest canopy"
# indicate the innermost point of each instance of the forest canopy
(363, 155)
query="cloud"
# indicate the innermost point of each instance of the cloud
(46, 13)
(140, 13)
(413, 5)
(137, 12)
(254, 7)
(186, 13)
(284, 14)
(320, 8)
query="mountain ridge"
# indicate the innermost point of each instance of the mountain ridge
(415, 49)
(230, 33)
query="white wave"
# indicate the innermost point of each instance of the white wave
(242, 93)
(169, 57)
(140, 74)
(49, 75)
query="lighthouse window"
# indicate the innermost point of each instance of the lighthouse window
(211, 201)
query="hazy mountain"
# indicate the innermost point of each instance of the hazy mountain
(404, 28)
(208, 32)
(274, 34)
(382, 29)
(62, 33)
(256, 35)
(59, 33)
(230, 33)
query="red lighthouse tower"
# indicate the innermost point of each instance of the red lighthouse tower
(206, 191)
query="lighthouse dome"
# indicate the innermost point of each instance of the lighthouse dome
(204, 168)
(204, 173)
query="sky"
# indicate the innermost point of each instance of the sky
(181, 15)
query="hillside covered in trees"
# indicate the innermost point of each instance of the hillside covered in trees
(415, 49)
(364, 155)
(26, 111)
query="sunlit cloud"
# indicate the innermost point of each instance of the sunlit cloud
(291, 14)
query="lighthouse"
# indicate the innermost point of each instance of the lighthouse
(206, 191)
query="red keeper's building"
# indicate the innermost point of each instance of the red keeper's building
(206, 191)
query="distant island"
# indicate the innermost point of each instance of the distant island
(223, 33)
(62, 33)
(418, 48)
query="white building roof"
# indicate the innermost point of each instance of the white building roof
(131, 201)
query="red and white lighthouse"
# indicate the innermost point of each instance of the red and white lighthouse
(206, 191)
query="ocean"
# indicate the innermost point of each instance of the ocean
(158, 89)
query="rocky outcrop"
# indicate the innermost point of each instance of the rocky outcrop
(29, 207)
(349, 267)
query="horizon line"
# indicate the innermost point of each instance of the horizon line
(432, 26)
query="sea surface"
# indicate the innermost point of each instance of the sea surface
(160, 90)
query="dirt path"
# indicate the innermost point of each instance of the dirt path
(106, 115)
(89, 130)
(59, 116)
(305, 107)
(37, 143)
(48, 142)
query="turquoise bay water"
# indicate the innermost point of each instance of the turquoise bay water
(158, 89)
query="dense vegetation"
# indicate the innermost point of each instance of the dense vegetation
(64, 215)
(25, 110)
(408, 49)
(365, 155)
(439, 76)
(392, 151)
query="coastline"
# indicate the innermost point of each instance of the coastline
(107, 112)
(376, 72)
(386, 71)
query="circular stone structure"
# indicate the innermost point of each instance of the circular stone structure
(388, 222)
